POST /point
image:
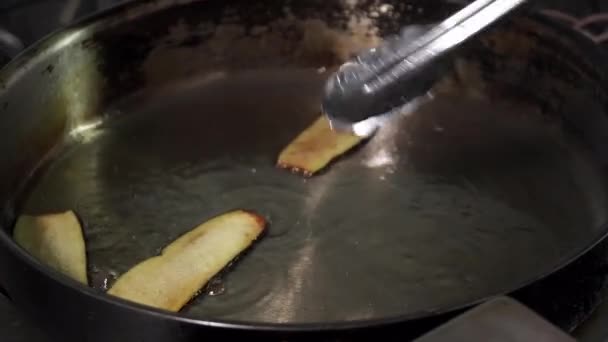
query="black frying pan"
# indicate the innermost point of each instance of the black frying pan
(496, 183)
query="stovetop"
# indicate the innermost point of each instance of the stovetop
(577, 295)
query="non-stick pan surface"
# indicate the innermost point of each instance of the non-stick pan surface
(493, 183)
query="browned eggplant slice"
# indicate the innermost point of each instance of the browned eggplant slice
(314, 148)
(172, 279)
(55, 240)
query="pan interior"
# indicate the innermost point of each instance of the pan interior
(451, 203)
(482, 189)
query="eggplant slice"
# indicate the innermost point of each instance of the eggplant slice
(169, 281)
(314, 148)
(55, 240)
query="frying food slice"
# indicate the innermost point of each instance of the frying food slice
(55, 240)
(315, 148)
(170, 280)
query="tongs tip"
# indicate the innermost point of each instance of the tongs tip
(382, 80)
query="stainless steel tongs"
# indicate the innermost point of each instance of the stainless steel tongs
(384, 79)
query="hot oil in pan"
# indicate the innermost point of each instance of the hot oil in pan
(460, 200)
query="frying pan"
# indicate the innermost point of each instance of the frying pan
(154, 116)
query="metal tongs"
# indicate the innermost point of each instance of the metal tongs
(384, 79)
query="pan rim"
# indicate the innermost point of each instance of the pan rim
(20, 63)
(328, 326)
